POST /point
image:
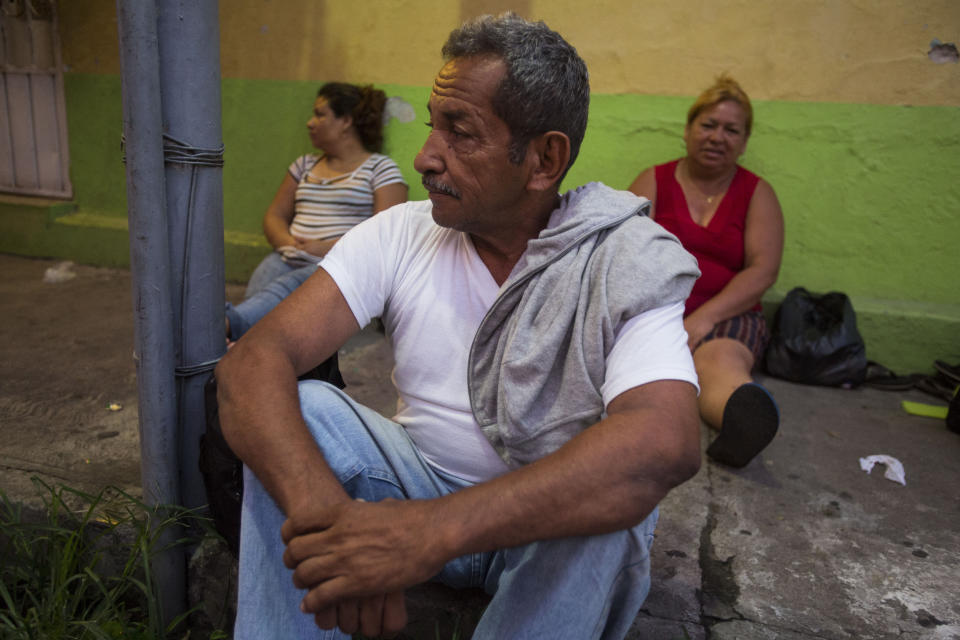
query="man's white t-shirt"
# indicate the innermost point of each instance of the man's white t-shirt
(432, 291)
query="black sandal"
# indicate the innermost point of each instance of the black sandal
(938, 386)
(879, 377)
(950, 371)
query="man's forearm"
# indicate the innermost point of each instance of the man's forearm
(261, 420)
(258, 396)
(606, 479)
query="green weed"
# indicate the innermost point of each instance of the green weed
(57, 579)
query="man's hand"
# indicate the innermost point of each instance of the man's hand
(357, 558)
(375, 616)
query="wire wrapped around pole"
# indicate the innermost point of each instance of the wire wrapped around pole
(177, 151)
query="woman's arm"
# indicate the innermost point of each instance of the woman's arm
(763, 250)
(383, 198)
(646, 186)
(389, 195)
(279, 215)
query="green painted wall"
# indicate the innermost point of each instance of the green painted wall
(869, 192)
(866, 189)
(95, 126)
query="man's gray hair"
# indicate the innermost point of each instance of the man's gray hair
(545, 87)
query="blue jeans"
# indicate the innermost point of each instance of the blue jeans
(244, 315)
(566, 588)
(269, 269)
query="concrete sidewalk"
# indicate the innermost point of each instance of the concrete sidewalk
(800, 544)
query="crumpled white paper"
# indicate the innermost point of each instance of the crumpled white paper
(894, 467)
(61, 272)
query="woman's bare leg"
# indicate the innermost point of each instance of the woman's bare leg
(743, 411)
(722, 365)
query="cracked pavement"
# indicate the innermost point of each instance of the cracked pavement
(803, 544)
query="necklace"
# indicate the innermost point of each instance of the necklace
(709, 198)
(703, 194)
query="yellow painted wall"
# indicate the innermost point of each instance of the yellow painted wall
(870, 51)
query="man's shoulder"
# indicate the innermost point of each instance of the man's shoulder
(638, 238)
(417, 213)
(412, 220)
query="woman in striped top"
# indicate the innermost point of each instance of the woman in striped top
(324, 194)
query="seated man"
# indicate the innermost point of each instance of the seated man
(547, 395)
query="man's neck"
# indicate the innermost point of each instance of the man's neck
(501, 251)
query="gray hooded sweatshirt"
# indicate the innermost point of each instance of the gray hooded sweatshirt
(538, 358)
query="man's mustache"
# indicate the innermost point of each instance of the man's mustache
(431, 183)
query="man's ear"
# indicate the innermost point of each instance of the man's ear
(550, 154)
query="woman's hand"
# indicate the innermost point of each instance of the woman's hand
(697, 326)
(317, 248)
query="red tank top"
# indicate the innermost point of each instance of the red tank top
(718, 247)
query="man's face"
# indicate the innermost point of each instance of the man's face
(465, 160)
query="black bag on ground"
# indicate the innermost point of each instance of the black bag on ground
(815, 340)
(222, 470)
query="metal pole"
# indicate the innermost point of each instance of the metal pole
(190, 83)
(149, 264)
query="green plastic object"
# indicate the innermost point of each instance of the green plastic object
(925, 410)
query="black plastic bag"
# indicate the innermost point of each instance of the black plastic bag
(815, 340)
(222, 470)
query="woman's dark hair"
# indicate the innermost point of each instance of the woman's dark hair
(364, 104)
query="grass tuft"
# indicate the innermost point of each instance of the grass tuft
(81, 569)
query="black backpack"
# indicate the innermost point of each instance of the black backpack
(222, 470)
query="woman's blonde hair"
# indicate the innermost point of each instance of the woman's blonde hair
(723, 88)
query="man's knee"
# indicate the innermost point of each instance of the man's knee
(317, 394)
(332, 422)
(349, 438)
(326, 408)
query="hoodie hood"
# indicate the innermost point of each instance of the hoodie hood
(538, 358)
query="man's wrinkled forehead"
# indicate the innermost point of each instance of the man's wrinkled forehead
(446, 75)
(468, 83)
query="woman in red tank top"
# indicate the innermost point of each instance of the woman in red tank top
(730, 219)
